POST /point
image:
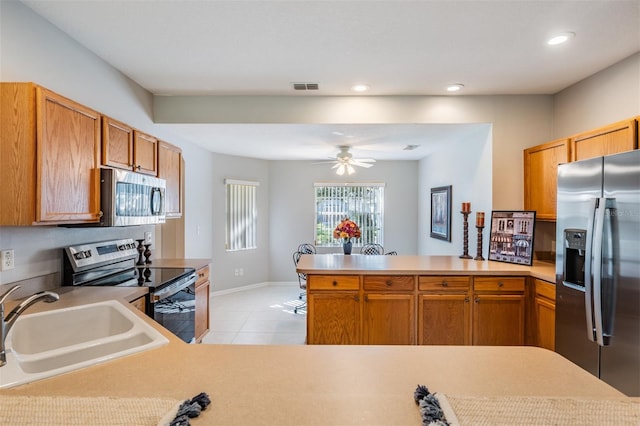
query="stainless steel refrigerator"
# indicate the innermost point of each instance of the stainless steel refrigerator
(598, 268)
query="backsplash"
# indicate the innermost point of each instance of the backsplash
(38, 249)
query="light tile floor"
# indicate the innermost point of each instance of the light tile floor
(258, 316)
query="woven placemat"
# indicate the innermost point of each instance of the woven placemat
(520, 410)
(50, 411)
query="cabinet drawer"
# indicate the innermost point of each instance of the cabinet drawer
(333, 282)
(498, 284)
(443, 283)
(389, 282)
(203, 275)
(545, 289)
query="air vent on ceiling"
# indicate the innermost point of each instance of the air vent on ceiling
(305, 86)
(410, 147)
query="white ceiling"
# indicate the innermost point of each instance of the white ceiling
(396, 47)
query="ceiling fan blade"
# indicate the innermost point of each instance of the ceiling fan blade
(364, 160)
(359, 164)
(324, 162)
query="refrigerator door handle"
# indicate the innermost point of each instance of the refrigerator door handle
(588, 256)
(596, 264)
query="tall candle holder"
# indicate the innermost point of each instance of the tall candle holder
(465, 233)
(479, 252)
(140, 251)
(147, 254)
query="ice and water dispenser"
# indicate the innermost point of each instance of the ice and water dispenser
(575, 243)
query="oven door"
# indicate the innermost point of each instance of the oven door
(175, 309)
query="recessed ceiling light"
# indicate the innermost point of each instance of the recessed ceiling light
(455, 87)
(360, 88)
(560, 38)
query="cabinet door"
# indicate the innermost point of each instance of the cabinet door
(117, 144)
(145, 153)
(202, 310)
(498, 320)
(612, 139)
(68, 185)
(541, 177)
(546, 323)
(444, 319)
(333, 318)
(170, 169)
(389, 319)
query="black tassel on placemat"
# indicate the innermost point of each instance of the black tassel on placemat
(191, 408)
(432, 414)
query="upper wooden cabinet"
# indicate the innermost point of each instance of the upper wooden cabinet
(126, 148)
(117, 144)
(50, 158)
(611, 139)
(145, 153)
(541, 176)
(170, 169)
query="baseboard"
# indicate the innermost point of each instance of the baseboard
(253, 286)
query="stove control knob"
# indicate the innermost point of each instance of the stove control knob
(79, 255)
(87, 253)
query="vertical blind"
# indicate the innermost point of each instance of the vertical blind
(361, 202)
(242, 214)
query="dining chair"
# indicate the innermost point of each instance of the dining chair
(302, 282)
(371, 249)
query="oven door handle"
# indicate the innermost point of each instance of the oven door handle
(172, 289)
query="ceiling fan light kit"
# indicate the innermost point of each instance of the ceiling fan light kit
(344, 162)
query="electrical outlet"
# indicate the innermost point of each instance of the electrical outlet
(7, 260)
(147, 238)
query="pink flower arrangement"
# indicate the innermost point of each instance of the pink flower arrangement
(346, 230)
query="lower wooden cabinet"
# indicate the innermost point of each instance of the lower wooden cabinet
(498, 311)
(140, 304)
(444, 310)
(381, 310)
(333, 318)
(389, 319)
(544, 311)
(202, 303)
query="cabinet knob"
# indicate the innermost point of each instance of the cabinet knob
(366, 297)
(466, 300)
(389, 283)
(335, 283)
(500, 284)
(100, 213)
(445, 284)
(356, 298)
(477, 300)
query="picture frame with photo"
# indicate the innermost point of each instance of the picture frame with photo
(441, 213)
(512, 236)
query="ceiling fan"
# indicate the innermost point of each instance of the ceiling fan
(344, 162)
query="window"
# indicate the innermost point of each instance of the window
(242, 215)
(361, 202)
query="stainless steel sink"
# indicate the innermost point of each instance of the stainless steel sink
(49, 343)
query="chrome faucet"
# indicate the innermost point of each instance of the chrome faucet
(7, 322)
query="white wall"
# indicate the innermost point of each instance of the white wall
(292, 207)
(466, 166)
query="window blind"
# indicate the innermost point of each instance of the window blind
(242, 214)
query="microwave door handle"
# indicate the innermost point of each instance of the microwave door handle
(598, 236)
(588, 256)
(155, 204)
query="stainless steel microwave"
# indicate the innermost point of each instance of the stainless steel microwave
(129, 198)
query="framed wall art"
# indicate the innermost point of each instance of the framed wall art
(511, 236)
(441, 213)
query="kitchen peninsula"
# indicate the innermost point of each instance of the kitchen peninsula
(316, 385)
(406, 300)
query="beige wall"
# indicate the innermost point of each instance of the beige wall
(518, 121)
(611, 95)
